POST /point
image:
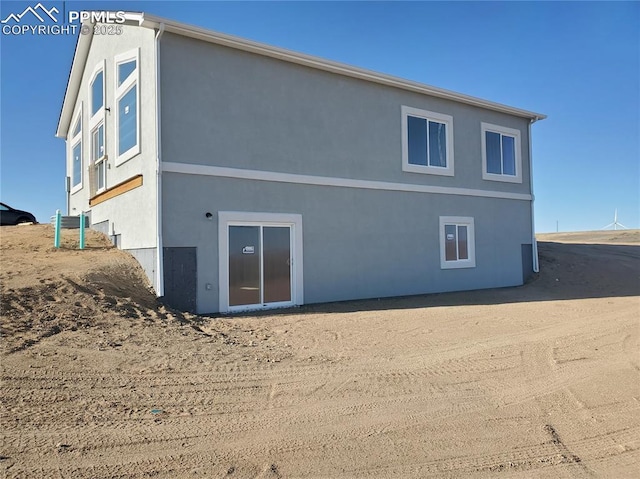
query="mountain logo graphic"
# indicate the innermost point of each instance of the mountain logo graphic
(39, 11)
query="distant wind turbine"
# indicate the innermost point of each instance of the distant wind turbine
(615, 223)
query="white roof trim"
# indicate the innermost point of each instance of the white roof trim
(151, 21)
(73, 85)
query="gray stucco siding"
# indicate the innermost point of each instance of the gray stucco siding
(230, 108)
(358, 243)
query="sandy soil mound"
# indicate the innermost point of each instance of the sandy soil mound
(100, 380)
(46, 290)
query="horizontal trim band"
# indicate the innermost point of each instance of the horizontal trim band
(257, 175)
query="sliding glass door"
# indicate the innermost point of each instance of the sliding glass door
(259, 265)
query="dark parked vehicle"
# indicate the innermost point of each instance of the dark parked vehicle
(11, 216)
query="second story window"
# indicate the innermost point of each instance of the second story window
(75, 146)
(127, 106)
(97, 92)
(501, 160)
(96, 124)
(427, 142)
(98, 158)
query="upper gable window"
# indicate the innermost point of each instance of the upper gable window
(125, 70)
(427, 142)
(501, 158)
(127, 112)
(97, 93)
(77, 128)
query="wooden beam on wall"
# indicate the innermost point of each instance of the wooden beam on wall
(116, 190)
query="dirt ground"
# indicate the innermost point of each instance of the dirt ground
(99, 380)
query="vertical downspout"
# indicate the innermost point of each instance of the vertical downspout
(159, 255)
(534, 243)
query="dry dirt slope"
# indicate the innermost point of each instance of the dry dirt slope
(101, 381)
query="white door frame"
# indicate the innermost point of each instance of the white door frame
(243, 218)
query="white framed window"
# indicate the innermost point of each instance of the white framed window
(97, 128)
(127, 108)
(501, 154)
(427, 142)
(457, 242)
(99, 158)
(75, 151)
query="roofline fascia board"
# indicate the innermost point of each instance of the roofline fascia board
(73, 85)
(151, 21)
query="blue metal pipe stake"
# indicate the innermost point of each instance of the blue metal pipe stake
(56, 237)
(82, 230)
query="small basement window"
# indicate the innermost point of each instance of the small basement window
(457, 242)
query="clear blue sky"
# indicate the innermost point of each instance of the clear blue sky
(577, 62)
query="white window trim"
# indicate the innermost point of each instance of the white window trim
(97, 119)
(427, 115)
(467, 221)
(502, 130)
(73, 142)
(101, 164)
(120, 91)
(233, 218)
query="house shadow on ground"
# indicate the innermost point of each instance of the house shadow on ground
(567, 271)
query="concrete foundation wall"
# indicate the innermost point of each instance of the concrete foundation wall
(147, 257)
